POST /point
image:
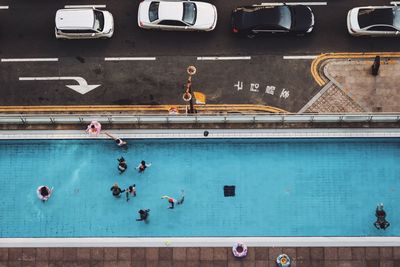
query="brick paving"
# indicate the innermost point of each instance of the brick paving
(193, 257)
(356, 89)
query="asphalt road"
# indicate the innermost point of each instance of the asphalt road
(27, 31)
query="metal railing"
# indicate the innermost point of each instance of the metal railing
(190, 119)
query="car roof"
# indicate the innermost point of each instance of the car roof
(75, 19)
(247, 17)
(170, 10)
(372, 16)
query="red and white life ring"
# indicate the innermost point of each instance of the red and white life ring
(239, 250)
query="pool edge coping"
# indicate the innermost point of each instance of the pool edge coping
(199, 133)
(202, 242)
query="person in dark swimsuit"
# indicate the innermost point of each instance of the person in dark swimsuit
(144, 214)
(116, 191)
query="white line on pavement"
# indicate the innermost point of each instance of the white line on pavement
(223, 58)
(27, 59)
(298, 3)
(128, 58)
(84, 6)
(3, 7)
(395, 2)
(299, 57)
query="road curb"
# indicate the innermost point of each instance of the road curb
(318, 63)
(142, 109)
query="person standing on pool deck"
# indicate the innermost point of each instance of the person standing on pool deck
(122, 166)
(131, 190)
(116, 191)
(144, 214)
(172, 201)
(142, 166)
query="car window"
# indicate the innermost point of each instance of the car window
(374, 16)
(172, 23)
(285, 17)
(382, 29)
(153, 11)
(189, 13)
(98, 20)
(396, 17)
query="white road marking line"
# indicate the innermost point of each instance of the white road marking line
(298, 3)
(129, 58)
(3, 7)
(300, 57)
(27, 59)
(84, 6)
(223, 58)
(395, 2)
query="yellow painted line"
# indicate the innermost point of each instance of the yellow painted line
(316, 62)
(140, 108)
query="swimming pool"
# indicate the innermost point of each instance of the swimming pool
(284, 187)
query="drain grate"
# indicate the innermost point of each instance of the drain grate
(229, 190)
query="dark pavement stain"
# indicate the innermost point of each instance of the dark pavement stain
(80, 59)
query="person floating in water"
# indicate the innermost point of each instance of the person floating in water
(142, 166)
(172, 201)
(144, 214)
(44, 192)
(131, 190)
(118, 141)
(122, 166)
(116, 191)
(380, 214)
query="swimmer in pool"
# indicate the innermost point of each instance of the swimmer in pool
(116, 191)
(142, 166)
(130, 191)
(122, 166)
(172, 201)
(380, 214)
(144, 214)
(118, 141)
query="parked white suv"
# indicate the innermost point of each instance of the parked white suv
(84, 23)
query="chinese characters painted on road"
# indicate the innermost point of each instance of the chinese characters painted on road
(269, 89)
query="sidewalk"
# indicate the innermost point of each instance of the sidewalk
(349, 86)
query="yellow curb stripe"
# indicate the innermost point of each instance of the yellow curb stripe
(140, 108)
(316, 62)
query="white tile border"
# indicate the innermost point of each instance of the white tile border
(203, 242)
(196, 133)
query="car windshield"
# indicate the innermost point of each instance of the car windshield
(189, 13)
(153, 11)
(378, 16)
(285, 18)
(98, 20)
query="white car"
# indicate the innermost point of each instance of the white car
(84, 23)
(374, 21)
(177, 15)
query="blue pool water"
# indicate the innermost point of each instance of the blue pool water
(284, 187)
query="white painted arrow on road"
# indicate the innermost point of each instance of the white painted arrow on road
(82, 88)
